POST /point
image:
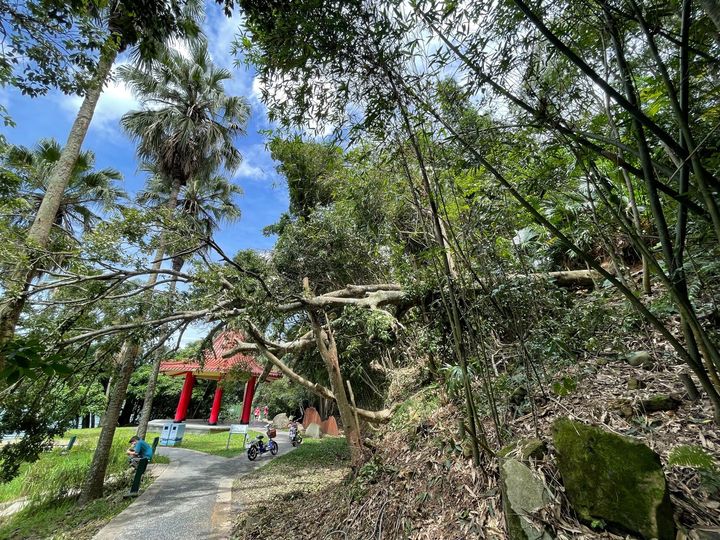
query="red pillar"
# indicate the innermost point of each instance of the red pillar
(185, 395)
(217, 401)
(247, 400)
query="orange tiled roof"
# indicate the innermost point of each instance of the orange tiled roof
(214, 364)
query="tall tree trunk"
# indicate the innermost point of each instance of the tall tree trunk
(328, 351)
(39, 233)
(93, 485)
(155, 371)
(96, 474)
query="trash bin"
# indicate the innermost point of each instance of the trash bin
(165, 435)
(172, 434)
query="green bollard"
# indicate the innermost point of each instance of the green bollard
(139, 471)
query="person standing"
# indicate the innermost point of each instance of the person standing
(257, 414)
(266, 412)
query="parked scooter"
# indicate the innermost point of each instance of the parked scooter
(259, 446)
(294, 434)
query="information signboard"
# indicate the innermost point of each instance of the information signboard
(237, 429)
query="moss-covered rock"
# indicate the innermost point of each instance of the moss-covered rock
(524, 449)
(522, 495)
(615, 479)
(660, 402)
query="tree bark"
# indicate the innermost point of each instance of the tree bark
(328, 351)
(376, 417)
(155, 371)
(96, 474)
(93, 485)
(39, 233)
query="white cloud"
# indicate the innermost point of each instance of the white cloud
(256, 165)
(116, 100)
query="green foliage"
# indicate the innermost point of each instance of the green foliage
(63, 518)
(370, 473)
(56, 474)
(415, 409)
(309, 169)
(697, 458)
(564, 386)
(282, 396)
(691, 456)
(25, 357)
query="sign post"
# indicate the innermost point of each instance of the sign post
(239, 429)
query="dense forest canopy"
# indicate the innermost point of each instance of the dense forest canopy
(480, 193)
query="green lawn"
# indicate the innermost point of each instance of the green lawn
(210, 443)
(214, 443)
(48, 482)
(63, 519)
(53, 475)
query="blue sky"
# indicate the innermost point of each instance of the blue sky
(265, 194)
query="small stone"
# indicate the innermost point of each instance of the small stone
(635, 384)
(313, 431)
(601, 361)
(623, 407)
(280, 421)
(330, 427)
(522, 495)
(311, 416)
(660, 402)
(518, 396)
(638, 358)
(525, 449)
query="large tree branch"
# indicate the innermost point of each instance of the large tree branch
(371, 296)
(377, 417)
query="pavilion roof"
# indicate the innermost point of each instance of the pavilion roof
(214, 365)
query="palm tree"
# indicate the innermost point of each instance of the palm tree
(188, 123)
(87, 192)
(128, 23)
(186, 128)
(203, 204)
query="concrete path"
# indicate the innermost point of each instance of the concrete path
(190, 499)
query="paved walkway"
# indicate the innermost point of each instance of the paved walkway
(190, 499)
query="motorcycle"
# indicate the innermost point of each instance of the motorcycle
(259, 446)
(295, 437)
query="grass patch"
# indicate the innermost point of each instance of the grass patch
(313, 466)
(214, 443)
(55, 475)
(63, 519)
(52, 482)
(209, 443)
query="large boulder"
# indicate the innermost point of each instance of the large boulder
(311, 416)
(615, 479)
(330, 427)
(313, 431)
(523, 494)
(280, 421)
